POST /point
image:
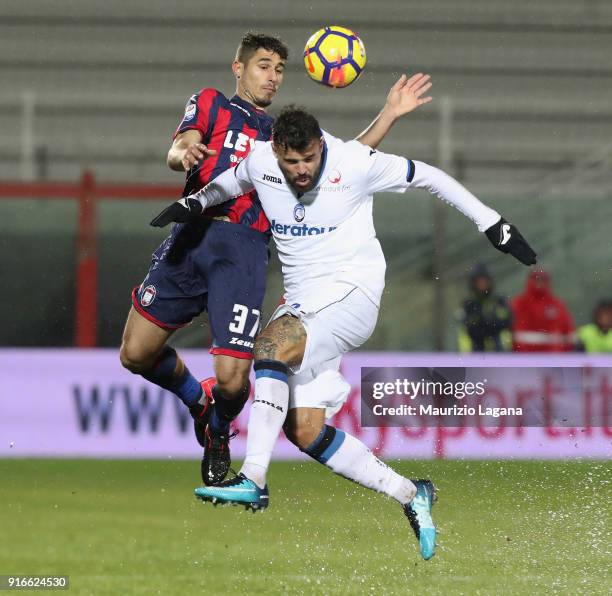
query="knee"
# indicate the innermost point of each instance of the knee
(302, 435)
(283, 340)
(135, 359)
(233, 377)
(232, 386)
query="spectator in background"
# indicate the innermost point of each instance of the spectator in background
(541, 320)
(597, 336)
(485, 316)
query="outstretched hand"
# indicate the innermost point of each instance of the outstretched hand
(407, 94)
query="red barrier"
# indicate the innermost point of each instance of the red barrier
(87, 192)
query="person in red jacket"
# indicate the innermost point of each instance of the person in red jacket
(542, 321)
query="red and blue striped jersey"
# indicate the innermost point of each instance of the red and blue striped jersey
(231, 127)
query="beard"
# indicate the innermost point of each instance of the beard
(310, 181)
(262, 102)
(308, 186)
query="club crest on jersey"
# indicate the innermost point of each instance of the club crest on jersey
(190, 111)
(334, 176)
(299, 212)
(148, 295)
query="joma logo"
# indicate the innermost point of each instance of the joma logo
(271, 178)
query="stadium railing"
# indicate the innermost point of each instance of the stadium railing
(87, 193)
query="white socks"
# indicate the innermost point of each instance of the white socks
(266, 418)
(343, 454)
(347, 456)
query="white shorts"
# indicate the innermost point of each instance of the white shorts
(319, 387)
(331, 331)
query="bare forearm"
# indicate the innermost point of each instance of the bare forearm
(175, 158)
(406, 95)
(378, 129)
(187, 150)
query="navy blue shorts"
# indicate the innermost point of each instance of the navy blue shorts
(215, 266)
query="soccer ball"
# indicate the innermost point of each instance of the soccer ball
(334, 56)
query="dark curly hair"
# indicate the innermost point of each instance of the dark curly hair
(295, 128)
(251, 42)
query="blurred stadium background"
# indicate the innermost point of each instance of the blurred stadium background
(91, 93)
(521, 115)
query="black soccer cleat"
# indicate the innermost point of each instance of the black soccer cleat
(217, 460)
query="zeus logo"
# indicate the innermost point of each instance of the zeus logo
(236, 341)
(505, 234)
(299, 230)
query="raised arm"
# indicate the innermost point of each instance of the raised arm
(392, 173)
(405, 96)
(232, 183)
(503, 235)
(445, 187)
(188, 146)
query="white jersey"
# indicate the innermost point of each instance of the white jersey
(325, 237)
(327, 234)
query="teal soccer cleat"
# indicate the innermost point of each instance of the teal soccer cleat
(418, 512)
(237, 491)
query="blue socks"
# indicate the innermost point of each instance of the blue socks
(169, 372)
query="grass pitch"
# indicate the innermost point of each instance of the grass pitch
(129, 527)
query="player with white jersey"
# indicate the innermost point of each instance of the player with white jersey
(317, 191)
